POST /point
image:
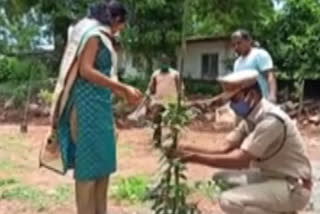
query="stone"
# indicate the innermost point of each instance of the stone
(314, 119)
(291, 105)
(35, 109)
(8, 104)
(209, 116)
(46, 111)
(305, 122)
(3, 116)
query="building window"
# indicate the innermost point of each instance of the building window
(210, 65)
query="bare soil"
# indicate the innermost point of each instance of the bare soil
(135, 156)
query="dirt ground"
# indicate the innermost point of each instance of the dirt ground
(135, 156)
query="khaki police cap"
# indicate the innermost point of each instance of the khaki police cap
(237, 81)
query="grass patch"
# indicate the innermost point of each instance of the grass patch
(14, 153)
(124, 148)
(131, 189)
(62, 193)
(7, 166)
(25, 193)
(7, 182)
(13, 143)
(12, 189)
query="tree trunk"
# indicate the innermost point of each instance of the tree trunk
(61, 26)
(301, 97)
(149, 64)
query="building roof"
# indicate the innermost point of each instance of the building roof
(197, 39)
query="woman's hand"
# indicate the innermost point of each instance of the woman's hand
(132, 95)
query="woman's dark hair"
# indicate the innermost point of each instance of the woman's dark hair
(243, 34)
(106, 12)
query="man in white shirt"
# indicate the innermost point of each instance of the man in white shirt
(251, 57)
(165, 83)
(164, 88)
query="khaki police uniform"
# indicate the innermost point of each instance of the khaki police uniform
(281, 182)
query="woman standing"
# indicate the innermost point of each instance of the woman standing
(85, 126)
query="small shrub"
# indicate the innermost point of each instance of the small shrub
(45, 96)
(19, 95)
(170, 193)
(211, 189)
(132, 189)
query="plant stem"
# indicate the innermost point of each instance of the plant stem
(177, 188)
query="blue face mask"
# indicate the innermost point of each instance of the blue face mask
(241, 108)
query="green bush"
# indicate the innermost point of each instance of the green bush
(192, 87)
(139, 81)
(15, 69)
(17, 91)
(4, 69)
(199, 87)
(19, 95)
(17, 75)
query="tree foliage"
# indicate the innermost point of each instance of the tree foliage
(290, 33)
(20, 32)
(155, 27)
(55, 15)
(216, 17)
(293, 38)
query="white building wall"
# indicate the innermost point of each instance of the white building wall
(192, 60)
(194, 52)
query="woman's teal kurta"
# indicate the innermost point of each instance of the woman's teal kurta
(93, 155)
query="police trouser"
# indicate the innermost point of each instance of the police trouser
(91, 196)
(256, 194)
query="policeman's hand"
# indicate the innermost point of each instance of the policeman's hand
(185, 148)
(183, 156)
